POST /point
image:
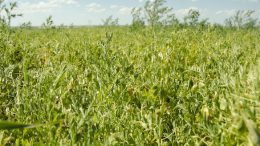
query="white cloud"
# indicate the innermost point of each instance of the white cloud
(188, 0)
(36, 7)
(181, 13)
(95, 8)
(185, 11)
(63, 1)
(115, 6)
(125, 10)
(247, 0)
(43, 6)
(226, 12)
(141, 1)
(231, 12)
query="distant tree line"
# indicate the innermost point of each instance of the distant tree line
(242, 19)
(155, 13)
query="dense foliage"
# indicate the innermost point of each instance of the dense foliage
(157, 82)
(116, 86)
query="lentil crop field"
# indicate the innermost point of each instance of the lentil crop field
(116, 86)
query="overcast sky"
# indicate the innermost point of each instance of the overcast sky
(91, 12)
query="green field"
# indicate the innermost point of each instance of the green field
(118, 86)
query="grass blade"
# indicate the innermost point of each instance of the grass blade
(4, 125)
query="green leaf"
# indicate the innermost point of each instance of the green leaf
(4, 125)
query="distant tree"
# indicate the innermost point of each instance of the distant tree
(217, 25)
(242, 19)
(137, 21)
(48, 23)
(62, 25)
(71, 25)
(27, 25)
(204, 22)
(157, 14)
(192, 18)
(9, 12)
(110, 21)
(6, 18)
(170, 20)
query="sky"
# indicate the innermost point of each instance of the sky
(92, 12)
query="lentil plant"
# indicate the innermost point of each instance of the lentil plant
(116, 86)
